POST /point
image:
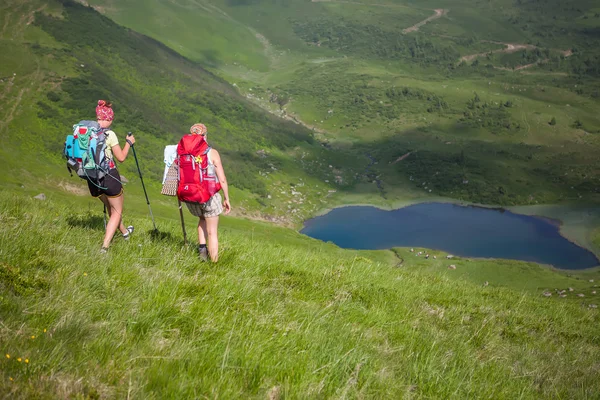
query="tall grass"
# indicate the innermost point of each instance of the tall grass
(279, 315)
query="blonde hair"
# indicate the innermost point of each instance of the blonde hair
(198, 129)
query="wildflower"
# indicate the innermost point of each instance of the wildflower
(85, 274)
(33, 336)
(27, 361)
(19, 359)
(44, 330)
(10, 377)
(8, 356)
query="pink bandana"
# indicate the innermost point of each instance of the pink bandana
(104, 111)
(198, 129)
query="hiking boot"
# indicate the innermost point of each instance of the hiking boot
(129, 232)
(203, 253)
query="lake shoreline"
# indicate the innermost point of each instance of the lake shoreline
(574, 222)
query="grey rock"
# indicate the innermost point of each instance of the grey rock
(40, 196)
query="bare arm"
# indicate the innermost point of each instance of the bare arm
(121, 154)
(216, 160)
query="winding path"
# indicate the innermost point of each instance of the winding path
(439, 12)
(362, 4)
(512, 48)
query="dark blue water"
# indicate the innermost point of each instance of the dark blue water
(459, 230)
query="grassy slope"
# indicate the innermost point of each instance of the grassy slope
(61, 67)
(280, 313)
(339, 89)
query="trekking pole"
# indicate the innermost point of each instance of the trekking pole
(182, 223)
(142, 179)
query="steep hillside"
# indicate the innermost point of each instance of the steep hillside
(501, 94)
(57, 67)
(280, 315)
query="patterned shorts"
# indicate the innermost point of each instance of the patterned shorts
(212, 208)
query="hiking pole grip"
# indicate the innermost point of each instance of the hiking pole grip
(128, 141)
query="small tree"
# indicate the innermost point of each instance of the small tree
(552, 121)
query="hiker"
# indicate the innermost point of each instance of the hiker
(110, 189)
(214, 180)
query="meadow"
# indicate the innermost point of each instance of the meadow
(282, 315)
(360, 77)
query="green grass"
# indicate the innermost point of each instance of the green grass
(512, 155)
(63, 68)
(517, 275)
(332, 64)
(280, 313)
(196, 21)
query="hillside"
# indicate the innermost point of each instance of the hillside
(58, 68)
(498, 94)
(280, 316)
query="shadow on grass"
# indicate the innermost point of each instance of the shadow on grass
(86, 221)
(164, 237)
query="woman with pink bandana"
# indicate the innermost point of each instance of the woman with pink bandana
(111, 190)
(208, 213)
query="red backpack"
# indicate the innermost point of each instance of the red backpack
(198, 181)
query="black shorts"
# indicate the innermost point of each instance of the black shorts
(110, 186)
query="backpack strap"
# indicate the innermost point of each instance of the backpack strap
(205, 154)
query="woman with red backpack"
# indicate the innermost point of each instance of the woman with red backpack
(201, 177)
(110, 191)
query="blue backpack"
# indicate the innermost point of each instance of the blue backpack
(85, 152)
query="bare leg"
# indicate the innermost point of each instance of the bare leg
(115, 210)
(212, 224)
(202, 233)
(104, 199)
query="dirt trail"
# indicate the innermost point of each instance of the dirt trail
(10, 114)
(362, 4)
(22, 83)
(513, 48)
(402, 157)
(439, 12)
(510, 48)
(5, 25)
(9, 82)
(520, 67)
